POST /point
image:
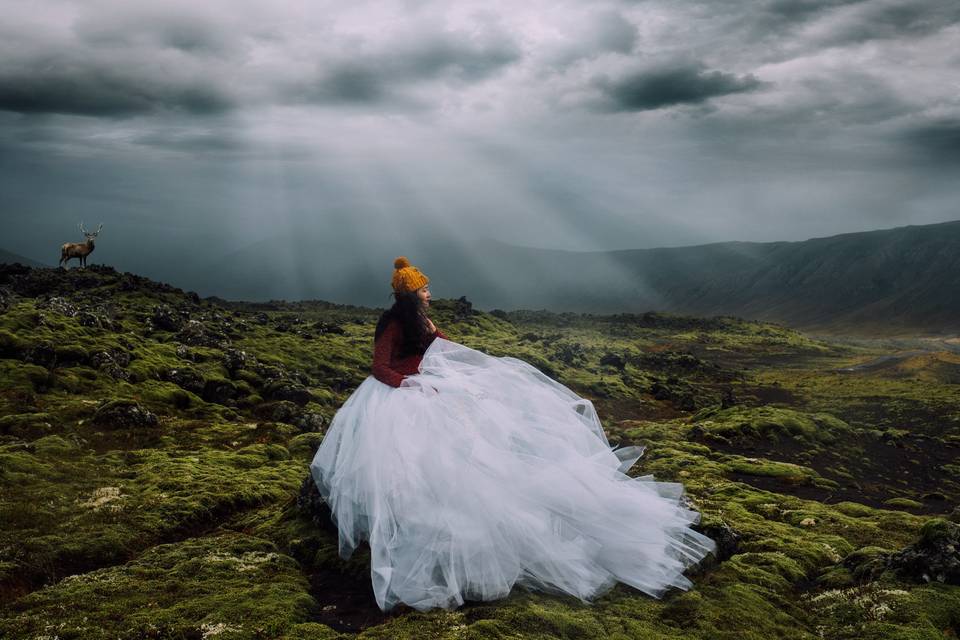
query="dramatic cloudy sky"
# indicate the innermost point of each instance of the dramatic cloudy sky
(193, 129)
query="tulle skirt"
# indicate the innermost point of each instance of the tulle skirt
(481, 473)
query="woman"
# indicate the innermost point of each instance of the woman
(469, 473)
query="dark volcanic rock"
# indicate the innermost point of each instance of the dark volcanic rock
(291, 413)
(327, 327)
(196, 334)
(184, 353)
(677, 362)
(166, 318)
(613, 360)
(678, 393)
(97, 318)
(281, 411)
(728, 540)
(866, 564)
(59, 305)
(123, 413)
(287, 390)
(572, 354)
(312, 504)
(118, 357)
(234, 360)
(219, 391)
(462, 309)
(9, 271)
(727, 398)
(310, 421)
(186, 379)
(113, 362)
(44, 355)
(935, 557)
(32, 283)
(288, 324)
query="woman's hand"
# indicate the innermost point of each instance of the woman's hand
(418, 384)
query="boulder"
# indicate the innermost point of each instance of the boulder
(186, 379)
(44, 355)
(219, 391)
(195, 333)
(285, 389)
(113, 362)
(935, 557)
(98, 319)
(280, 411)
(234, 359)
(59, 304)
(462, 309)
(165, 318)
(327, 327)
(123, 413)
(727, 539)
(613, 360)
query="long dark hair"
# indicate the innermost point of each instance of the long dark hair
(407, 311)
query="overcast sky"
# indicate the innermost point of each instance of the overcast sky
(207, 126)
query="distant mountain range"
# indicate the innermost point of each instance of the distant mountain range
(9, 258)
(904, 278)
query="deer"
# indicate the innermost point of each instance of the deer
(79, 250)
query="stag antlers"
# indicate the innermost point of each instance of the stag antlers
(87, 233)
(79, 250)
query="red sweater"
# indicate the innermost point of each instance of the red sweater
(388, 367)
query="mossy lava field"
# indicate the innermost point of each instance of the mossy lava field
(154, 483)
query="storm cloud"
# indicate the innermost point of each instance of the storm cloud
(888, 19)
(384, 75)
(61, 86)
(209, 128)
(671, 85)
(936, 140)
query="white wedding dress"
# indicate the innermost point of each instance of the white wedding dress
(480, 473)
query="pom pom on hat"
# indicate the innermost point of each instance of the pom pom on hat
(406, 277)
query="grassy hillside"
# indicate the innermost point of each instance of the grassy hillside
(154, 452)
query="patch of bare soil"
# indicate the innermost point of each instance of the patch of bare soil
(881, 468)
(347, 603)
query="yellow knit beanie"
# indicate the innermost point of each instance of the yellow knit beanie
(406, 277)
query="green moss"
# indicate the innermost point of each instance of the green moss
(937, 529)
(903, 503)
(768, 422)
(27, 426)
(854, 509)
(229, 585)
(312, 631)
(112, 506)
(879, 611)
(305, 445)
(759, 467)
(51, 446)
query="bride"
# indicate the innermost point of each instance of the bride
(469, 473)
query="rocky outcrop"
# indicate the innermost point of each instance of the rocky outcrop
(123, 414)
(935, 557)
